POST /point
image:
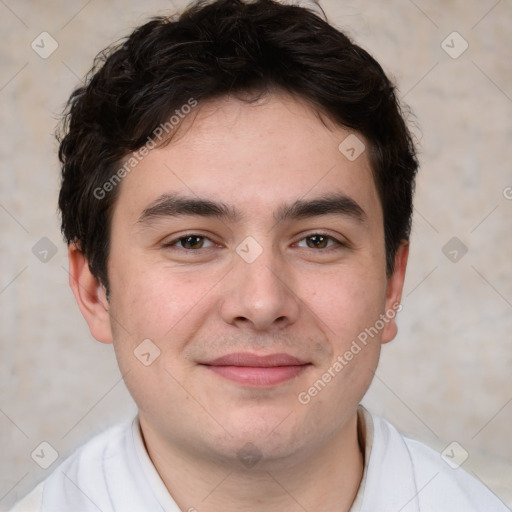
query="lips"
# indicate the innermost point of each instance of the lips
(255, 361)
(259, 371)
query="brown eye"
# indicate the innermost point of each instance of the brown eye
(190, 243)
(320, 241)
(317, 241)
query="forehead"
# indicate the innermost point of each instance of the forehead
(252, 155)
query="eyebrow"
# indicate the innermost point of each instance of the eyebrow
(337, 203)
(173, 205)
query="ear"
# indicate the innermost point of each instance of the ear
(90, 295)
(394, 292)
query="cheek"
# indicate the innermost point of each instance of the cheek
(346, 302)
(152, 299)
(166, 306)
(150, 315)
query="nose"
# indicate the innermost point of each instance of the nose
(259, 295)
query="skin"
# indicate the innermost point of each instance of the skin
(310, 300)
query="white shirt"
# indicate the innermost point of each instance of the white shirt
(113, 473)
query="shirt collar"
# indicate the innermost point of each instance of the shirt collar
(365, 438)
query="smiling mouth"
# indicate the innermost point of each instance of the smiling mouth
(257, 371)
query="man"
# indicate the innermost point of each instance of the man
(237, 198)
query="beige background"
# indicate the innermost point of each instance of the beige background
(447, 377)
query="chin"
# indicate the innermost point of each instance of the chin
(265, 442)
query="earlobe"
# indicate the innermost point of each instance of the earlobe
(394, 292)
(90, 295)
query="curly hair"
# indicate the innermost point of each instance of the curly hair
(212, 49)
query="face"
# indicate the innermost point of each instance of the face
(249, 235)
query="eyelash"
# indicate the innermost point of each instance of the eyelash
(173, 243)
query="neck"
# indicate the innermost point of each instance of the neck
(327, 479)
